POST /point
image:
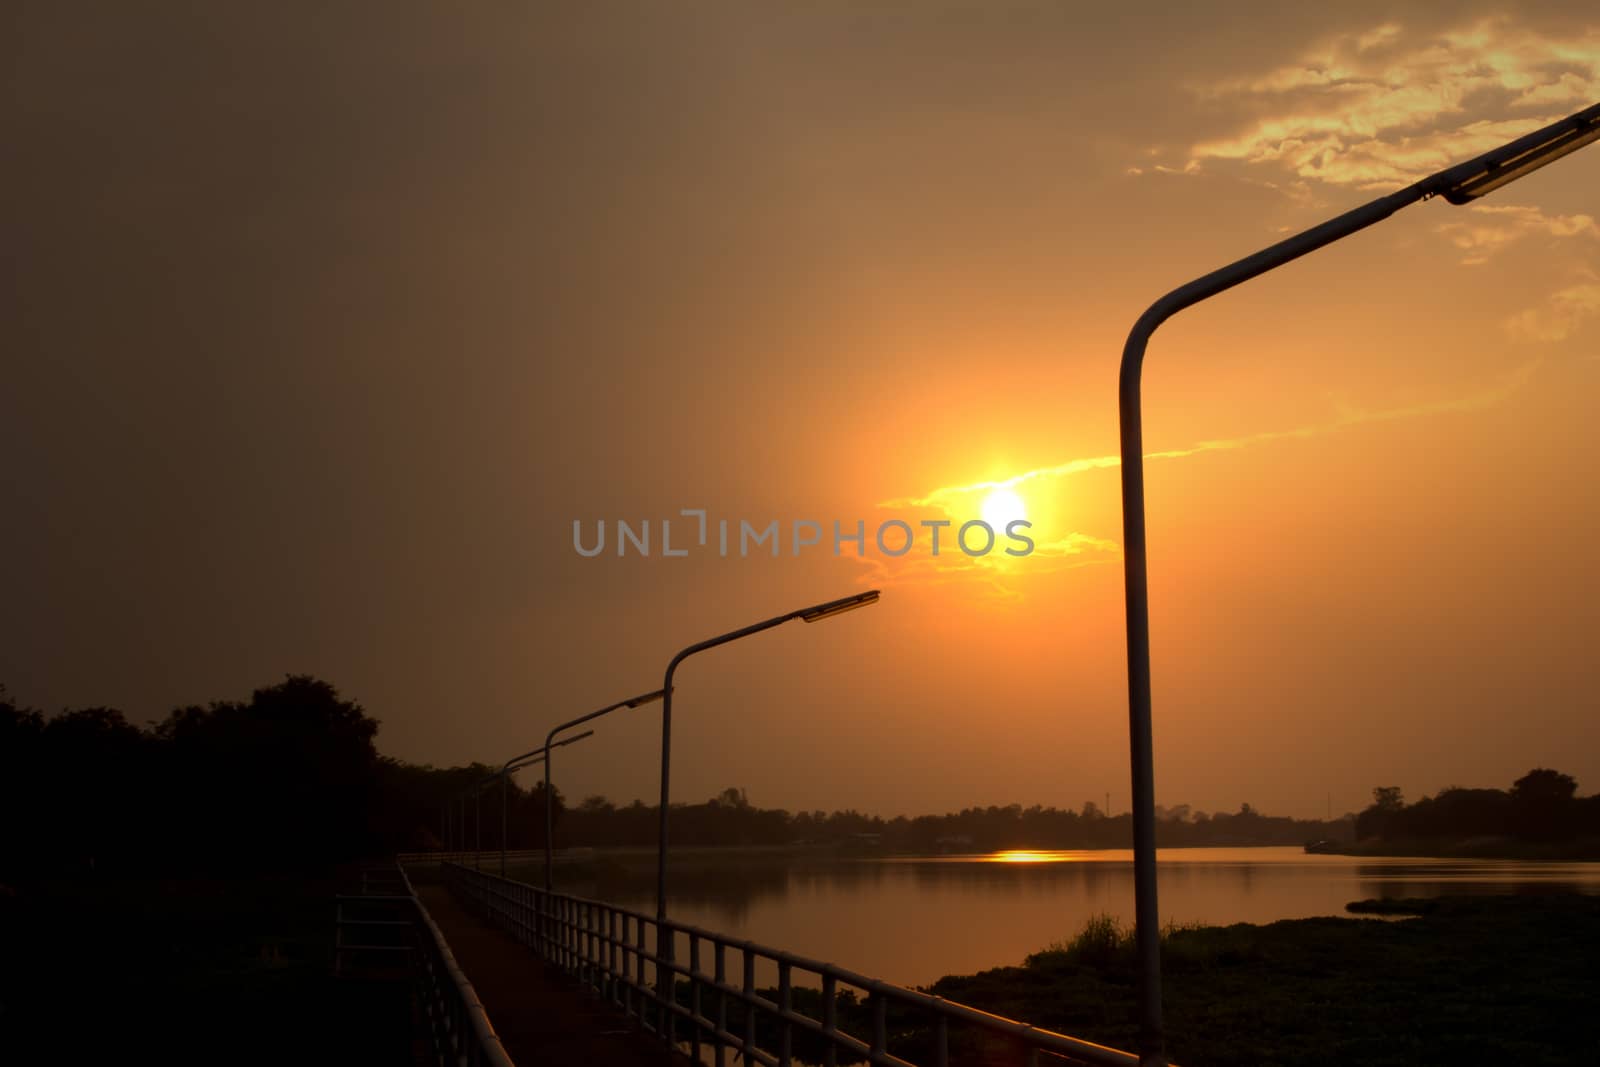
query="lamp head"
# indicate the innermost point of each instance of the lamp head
(1490, 172)
(574, 739)
(838, 607)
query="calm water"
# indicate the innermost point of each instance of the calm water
(913, 920)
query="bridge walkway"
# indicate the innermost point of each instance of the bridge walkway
(542, 1016)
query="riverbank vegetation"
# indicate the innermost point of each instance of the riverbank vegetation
(190, 862)
(1468, 980)
(1540, 817)
(1473, 980)
(291, 780)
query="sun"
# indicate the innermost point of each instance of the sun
(1002, 506)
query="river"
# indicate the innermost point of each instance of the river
(911, 920)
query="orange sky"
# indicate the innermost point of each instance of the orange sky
(322, 336)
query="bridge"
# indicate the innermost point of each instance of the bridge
(567, 980)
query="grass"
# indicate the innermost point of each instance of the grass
(1104, 941)
(1393, 906)
(1488, 980)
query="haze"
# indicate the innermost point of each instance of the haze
(320, 333)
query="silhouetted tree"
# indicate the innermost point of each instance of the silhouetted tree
(21, 750)
(733, 797)
(1378, 820)
(287, 779)
(91, 764)
(1542, 804)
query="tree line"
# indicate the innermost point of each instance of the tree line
(730, 819)
(292, 779)
(1542, 806)
(289, 780)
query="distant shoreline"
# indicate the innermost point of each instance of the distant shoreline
(1586, 850)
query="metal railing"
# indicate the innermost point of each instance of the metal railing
(468, 857)
(608, 948)
(384, 926)
(459, 1030)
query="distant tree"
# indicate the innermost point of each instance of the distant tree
(531, 808)
(1542, 804)
(733, 797)
(288, 779)
(1544, 786)
(1091, 810)
(21, 748)
(1382, 818)
(1458, 812)
(1388, 798)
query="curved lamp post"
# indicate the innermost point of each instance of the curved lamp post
(1459, 184)
(815, 613)
(515, 764)
(549, 808)
(475, 790)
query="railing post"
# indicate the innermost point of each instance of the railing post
(694, 996)
(546, 928)
(584, 943)
(880, 1021)
(830, 1018)
(591, 945)
(749, 1008)
(785, 1028)
(720, 1053)
(667, 977)
(566, 935)
(638, 961)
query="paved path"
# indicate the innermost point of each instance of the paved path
(542, 1016)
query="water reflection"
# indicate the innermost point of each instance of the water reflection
(914, 919)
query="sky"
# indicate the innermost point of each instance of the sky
(322, 328)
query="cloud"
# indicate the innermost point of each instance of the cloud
(1382, 107)
(1076, 549)
(1073, 551)
(1559, 317)
(1488, 228)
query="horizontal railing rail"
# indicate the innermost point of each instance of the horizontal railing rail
(470, 857)
(462, 1033)
(391, 920)
(691, 993)
(380, 924)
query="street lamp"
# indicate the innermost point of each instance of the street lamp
(475, 790)
(1459, 184)
(517, 763)
(815, 613)
(549, 808)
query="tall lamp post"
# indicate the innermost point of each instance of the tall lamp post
(815, 613)
(516, 763)
(549, 807)
(475, 790)
(1459, 184)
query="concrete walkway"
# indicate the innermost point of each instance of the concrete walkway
(542, 1016)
